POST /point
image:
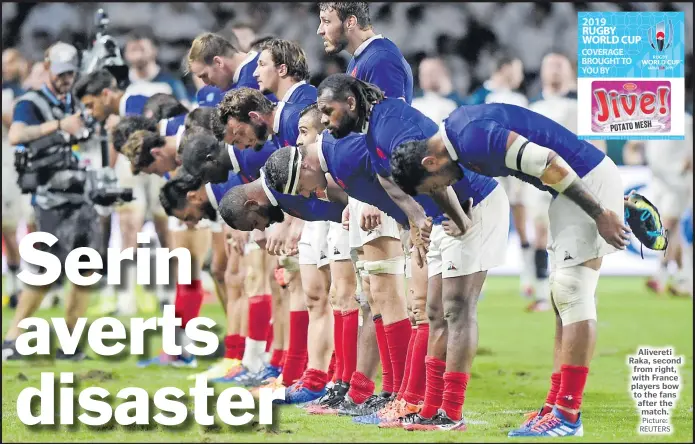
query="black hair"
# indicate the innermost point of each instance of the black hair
(172, 196)
(94, 83)
(164, 106)
(196, 149)
(276, 168)
(231, 207)
(343, 86)
(313, 111)
(205, 117)
(406, 165)
(127, 126)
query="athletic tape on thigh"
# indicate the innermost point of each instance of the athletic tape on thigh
(289, 263)
(573, 290)
(359, 265)
(395, 265)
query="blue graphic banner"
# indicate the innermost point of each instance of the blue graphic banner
(618, 54)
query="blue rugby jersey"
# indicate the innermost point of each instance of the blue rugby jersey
(380, 62)
(476, 136)
(347, 161)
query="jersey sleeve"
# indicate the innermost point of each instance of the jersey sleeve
(484, 141)
(385, 144)
(386, 73)
(26, 112)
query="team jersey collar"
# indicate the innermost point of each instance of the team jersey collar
(447, 143)
(121, 106)
(292, 89)
(322, 158)
(162, 126)
(232, 157)
(179, 137)
(276, 119)
(211, 195)
(249, 58)
(267, 191)
(366, 43)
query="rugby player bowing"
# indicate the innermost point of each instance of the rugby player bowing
(585, 223)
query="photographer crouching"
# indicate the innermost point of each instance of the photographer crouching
(47, 123)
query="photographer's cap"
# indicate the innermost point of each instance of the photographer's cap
(63, 58)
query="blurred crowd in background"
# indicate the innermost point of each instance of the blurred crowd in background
(466, 38)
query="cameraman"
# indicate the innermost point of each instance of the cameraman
(38, 114)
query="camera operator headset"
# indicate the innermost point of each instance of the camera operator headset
(46, 120)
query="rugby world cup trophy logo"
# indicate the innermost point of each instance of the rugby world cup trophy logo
(658, 32)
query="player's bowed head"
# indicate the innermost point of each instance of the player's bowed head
(203, 155)
(345, 103)
(247, 208)
(296, 171)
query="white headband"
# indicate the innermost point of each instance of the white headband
(294, 169)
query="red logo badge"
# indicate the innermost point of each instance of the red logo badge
(341, 184)
(354, 72)
(380, 153)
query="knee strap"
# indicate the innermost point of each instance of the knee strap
(573, 290)
(395, 265)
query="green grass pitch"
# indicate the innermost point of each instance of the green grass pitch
(510, 376)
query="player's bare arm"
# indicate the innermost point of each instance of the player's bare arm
(412, 209)
(275, 243)
(334, 193)
(448, 201)
(545, 164)
(293, 236)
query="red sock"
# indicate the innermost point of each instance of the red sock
(314, 379)
(284, 358)
(435, 386)
(350, 328)
(240, 347)
(260, 312)
(552, 393)
(331, 368)
(398, 337)
(573, 380)
(230, 346)
(408, 364)
(415, 392)
(189, 298)
(338, 340)
(386, 373)
(178, 302)
(454, 393)
(276, 358)
(269, 337)
(361, 388)
(294, 362)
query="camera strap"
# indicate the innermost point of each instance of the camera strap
(48, 105)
